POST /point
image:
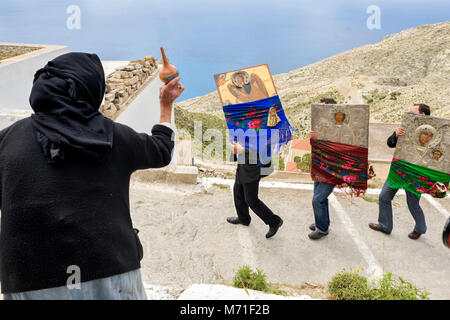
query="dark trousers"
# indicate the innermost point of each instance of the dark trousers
(245, 196)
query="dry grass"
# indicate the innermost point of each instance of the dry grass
(14, 51)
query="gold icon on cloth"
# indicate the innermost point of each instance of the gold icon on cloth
(273, 118)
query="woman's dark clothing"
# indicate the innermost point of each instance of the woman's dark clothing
(246, 186)
(74, 212)
(65, 97)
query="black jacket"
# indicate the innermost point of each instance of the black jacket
(392, 141)
(71, 213)
(248, 170)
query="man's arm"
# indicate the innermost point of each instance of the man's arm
(392, 140)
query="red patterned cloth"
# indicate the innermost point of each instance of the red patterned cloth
(338, 164)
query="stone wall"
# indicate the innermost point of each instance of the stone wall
(125, 83)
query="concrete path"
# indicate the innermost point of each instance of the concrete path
(187, 240)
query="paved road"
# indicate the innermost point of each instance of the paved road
(187, 239)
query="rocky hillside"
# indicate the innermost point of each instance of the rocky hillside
(412, 66)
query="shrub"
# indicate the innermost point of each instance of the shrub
(304, 163)
(281, 166)
(348, 286)
(353, 286)
(246, 278)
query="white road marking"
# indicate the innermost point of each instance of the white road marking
(374, 267)
(437, 205)
(248, 254)
(280, 185)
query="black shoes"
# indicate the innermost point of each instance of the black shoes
(316, 235)
(312, 227)
(236, 220)
(274, 228)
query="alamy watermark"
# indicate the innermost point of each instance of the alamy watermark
(73, 22)
(374, 20)
(74, 280)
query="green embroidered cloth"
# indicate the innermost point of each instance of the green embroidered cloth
(414, 178)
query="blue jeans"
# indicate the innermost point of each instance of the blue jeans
(385, 209)
(125, 286)
(320, 205)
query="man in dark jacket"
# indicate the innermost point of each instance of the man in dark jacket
(385, 221)
(66, 230)
(245, 191)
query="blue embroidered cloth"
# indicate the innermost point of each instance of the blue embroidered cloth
(259, 125)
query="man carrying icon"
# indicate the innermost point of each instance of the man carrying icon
(385, 220)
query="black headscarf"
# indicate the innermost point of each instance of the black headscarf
(65, 97)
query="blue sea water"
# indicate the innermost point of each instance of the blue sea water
(204, 37)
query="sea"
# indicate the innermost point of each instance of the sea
(205, 37)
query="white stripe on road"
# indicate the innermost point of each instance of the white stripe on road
(248, 254)
(437, 205)
(278, 185)
(374, 267)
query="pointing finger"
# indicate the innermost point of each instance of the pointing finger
(173, 83)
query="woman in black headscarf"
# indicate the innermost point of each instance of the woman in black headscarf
(66, 230)
(65, 97)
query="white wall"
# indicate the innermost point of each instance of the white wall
(16, 75)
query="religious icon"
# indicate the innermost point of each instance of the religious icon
(341, 131)
(424, 134)
(273, 118)
(247, 88)
(437, 154)
(347, 124)
(339, 117)
(426, 142)
(245, 85)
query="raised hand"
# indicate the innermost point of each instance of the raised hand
(167, 95)
(169, 92)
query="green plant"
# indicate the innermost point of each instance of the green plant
(397, 288)
(348, 286)
(394, 95)
(246, 278)
(353, 286)
(280, 163)
(304, 162)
